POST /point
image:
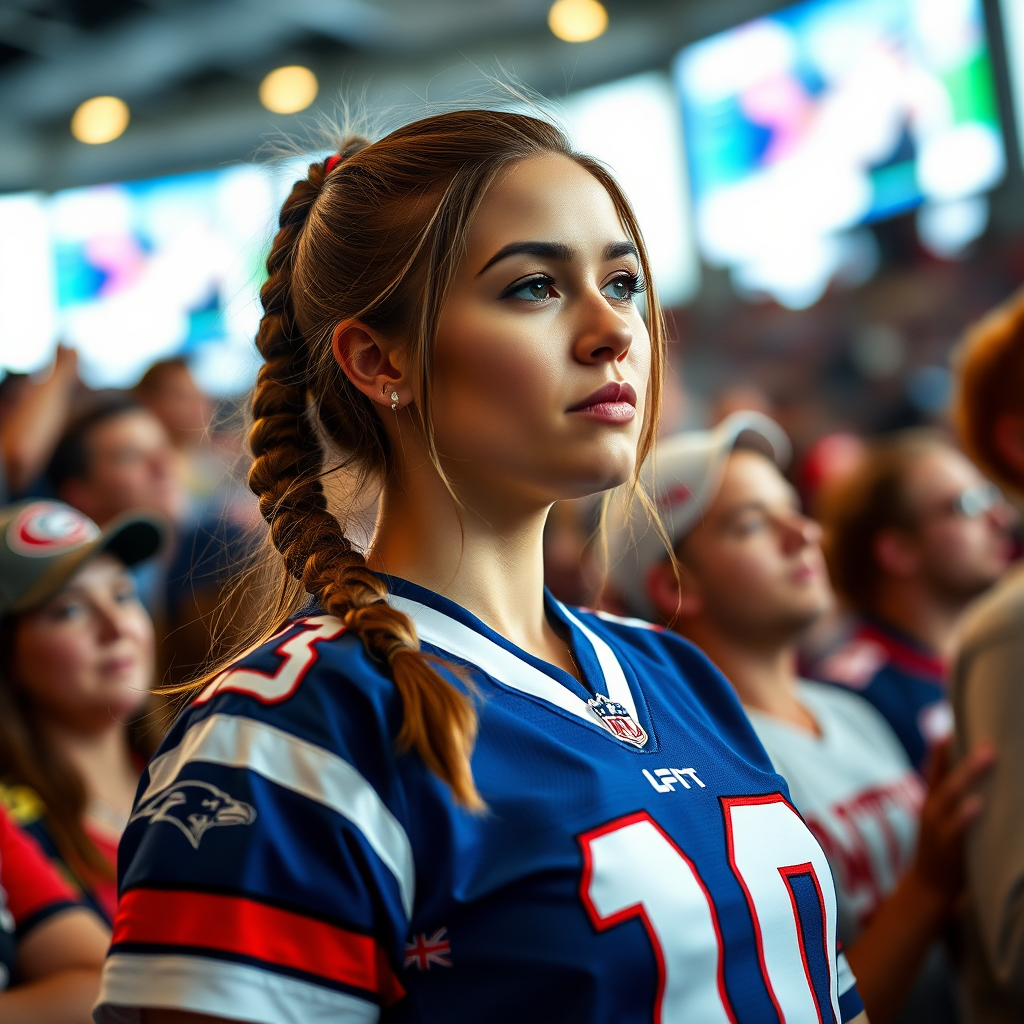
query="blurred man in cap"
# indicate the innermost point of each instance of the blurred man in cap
(987, 677)
(750, 580)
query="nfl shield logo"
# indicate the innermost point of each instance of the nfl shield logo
(617, 720)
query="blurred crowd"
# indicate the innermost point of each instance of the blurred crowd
(862, 595)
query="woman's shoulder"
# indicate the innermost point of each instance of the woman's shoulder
(312, 680)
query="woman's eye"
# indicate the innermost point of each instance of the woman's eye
(621, 289)
(63, 612)
(126, 596)
(535, 290)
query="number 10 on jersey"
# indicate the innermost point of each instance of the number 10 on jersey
(632, 868)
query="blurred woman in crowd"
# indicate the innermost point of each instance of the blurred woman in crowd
(986, 680)
(51, 947)
(77, 662)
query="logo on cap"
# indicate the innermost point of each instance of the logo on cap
(677, 495)
(45, 529)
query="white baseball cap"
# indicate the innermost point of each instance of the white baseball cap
(683, 479)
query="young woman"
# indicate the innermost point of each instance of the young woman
(435, 793)
(51, 948)
(76, 664)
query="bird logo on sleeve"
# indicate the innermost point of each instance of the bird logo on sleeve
(194, 807)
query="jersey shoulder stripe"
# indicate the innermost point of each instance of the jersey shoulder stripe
(295, 764)
(220, 989)
(160, 920)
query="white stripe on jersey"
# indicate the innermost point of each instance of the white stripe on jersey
(447, 634)
(221, 989)
(844, 973)
(300, 766)
(615, 678)
(626, 620)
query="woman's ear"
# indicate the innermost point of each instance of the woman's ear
(673, 598)
(371, 363)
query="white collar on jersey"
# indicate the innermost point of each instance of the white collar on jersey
(447, 634)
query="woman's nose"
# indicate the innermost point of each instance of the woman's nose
(605, 337)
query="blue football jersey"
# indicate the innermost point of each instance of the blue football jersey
(902, 679)
(639, 859)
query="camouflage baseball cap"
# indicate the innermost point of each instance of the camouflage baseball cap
(44, 543)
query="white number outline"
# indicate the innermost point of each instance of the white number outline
(638, 909)
(785, 870)
(299, 647)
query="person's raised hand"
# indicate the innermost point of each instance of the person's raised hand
(950, 806)
(65, 362)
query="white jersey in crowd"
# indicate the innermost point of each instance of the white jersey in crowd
(857, 792)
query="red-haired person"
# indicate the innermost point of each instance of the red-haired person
(986, 678)
(51, 947)
(433, 792)
(76, 666)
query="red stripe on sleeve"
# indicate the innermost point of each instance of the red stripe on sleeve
(232, 924)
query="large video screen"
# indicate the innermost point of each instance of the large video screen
(829, 114)
(632, 126)
(134, 272)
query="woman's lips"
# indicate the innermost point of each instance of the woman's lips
(613, 403)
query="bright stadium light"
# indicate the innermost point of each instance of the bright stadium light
(101, 119)
(289, 89)
(577, 21)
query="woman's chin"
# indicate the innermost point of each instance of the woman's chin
(597, 478)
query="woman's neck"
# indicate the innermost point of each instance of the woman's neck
(490, 559)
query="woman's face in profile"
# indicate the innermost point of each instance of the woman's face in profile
(86, 657)
(542, 357)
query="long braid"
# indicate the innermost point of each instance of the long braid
(439, 721)
(378, 241)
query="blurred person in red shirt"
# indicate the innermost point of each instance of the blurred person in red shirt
(76, 665)
(51, 947)
(986, 677)
(912, 536)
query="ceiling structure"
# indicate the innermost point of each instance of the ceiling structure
(189, 69)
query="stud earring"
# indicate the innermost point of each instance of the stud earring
(394, 399)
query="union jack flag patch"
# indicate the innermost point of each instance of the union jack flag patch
(423, 951)
(618, 721)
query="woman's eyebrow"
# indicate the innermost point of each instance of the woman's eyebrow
(555, 251)
(545, 250)
(617, 249)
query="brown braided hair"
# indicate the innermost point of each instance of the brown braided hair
(378, 240)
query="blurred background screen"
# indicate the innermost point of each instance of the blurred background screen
(134, 272)
(131, 272)
(829, 114)
(829, 190)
